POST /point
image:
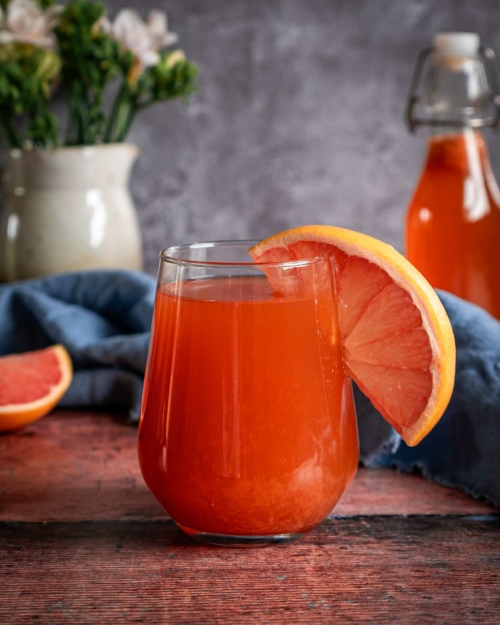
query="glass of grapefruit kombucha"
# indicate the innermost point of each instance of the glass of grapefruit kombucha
(248, 430)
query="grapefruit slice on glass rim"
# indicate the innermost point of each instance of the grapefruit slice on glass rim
(397, 340)
(31, 384)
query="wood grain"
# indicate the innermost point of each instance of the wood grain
(411, 570)
(108, 555)
(76, 466)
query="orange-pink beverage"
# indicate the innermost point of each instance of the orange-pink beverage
(247, 426)
(453, 223)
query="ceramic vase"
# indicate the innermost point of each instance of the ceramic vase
(68, 210)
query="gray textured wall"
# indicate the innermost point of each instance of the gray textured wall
(298, 118)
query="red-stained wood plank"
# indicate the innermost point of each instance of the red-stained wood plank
(413, 570)
(75, 466)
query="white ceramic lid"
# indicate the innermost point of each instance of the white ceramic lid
(456, 44)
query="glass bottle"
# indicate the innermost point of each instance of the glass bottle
(453, 220)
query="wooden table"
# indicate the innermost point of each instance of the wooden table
(83, 541)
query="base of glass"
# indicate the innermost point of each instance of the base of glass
(228, 540)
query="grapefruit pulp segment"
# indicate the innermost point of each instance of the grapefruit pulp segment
(398, 343)
(31, 384)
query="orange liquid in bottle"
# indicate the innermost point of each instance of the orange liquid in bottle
(247, 426)
(453, 223)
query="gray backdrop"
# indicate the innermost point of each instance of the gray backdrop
(298, 118)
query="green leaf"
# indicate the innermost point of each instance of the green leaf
(90, 60)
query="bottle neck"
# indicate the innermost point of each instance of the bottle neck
(461, 154)
(450, 131)
(458, 148)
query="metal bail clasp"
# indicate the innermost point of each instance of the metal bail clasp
(415, 98)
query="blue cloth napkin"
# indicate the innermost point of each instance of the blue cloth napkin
(103, 318)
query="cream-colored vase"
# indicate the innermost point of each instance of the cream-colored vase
(67, 210)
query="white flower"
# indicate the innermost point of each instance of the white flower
(144, 39)
(26, 22)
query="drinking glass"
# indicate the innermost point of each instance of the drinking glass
(248, 430)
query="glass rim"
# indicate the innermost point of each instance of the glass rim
(168, 255)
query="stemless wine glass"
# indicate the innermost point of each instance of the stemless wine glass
(248, 432)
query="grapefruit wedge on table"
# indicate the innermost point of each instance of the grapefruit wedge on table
(397, 340)
(31, 384)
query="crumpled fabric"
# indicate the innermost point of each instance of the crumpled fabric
(463, 450)
(103, 319)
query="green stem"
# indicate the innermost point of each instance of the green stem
(70, 129)
(122, 114)
(108, 135)
(51, 138)
(73, 131)
(55, 136)
(87, 136)
(98, 121)
(124, 127)
(42, 128)
(11, 134)
(78, 113)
